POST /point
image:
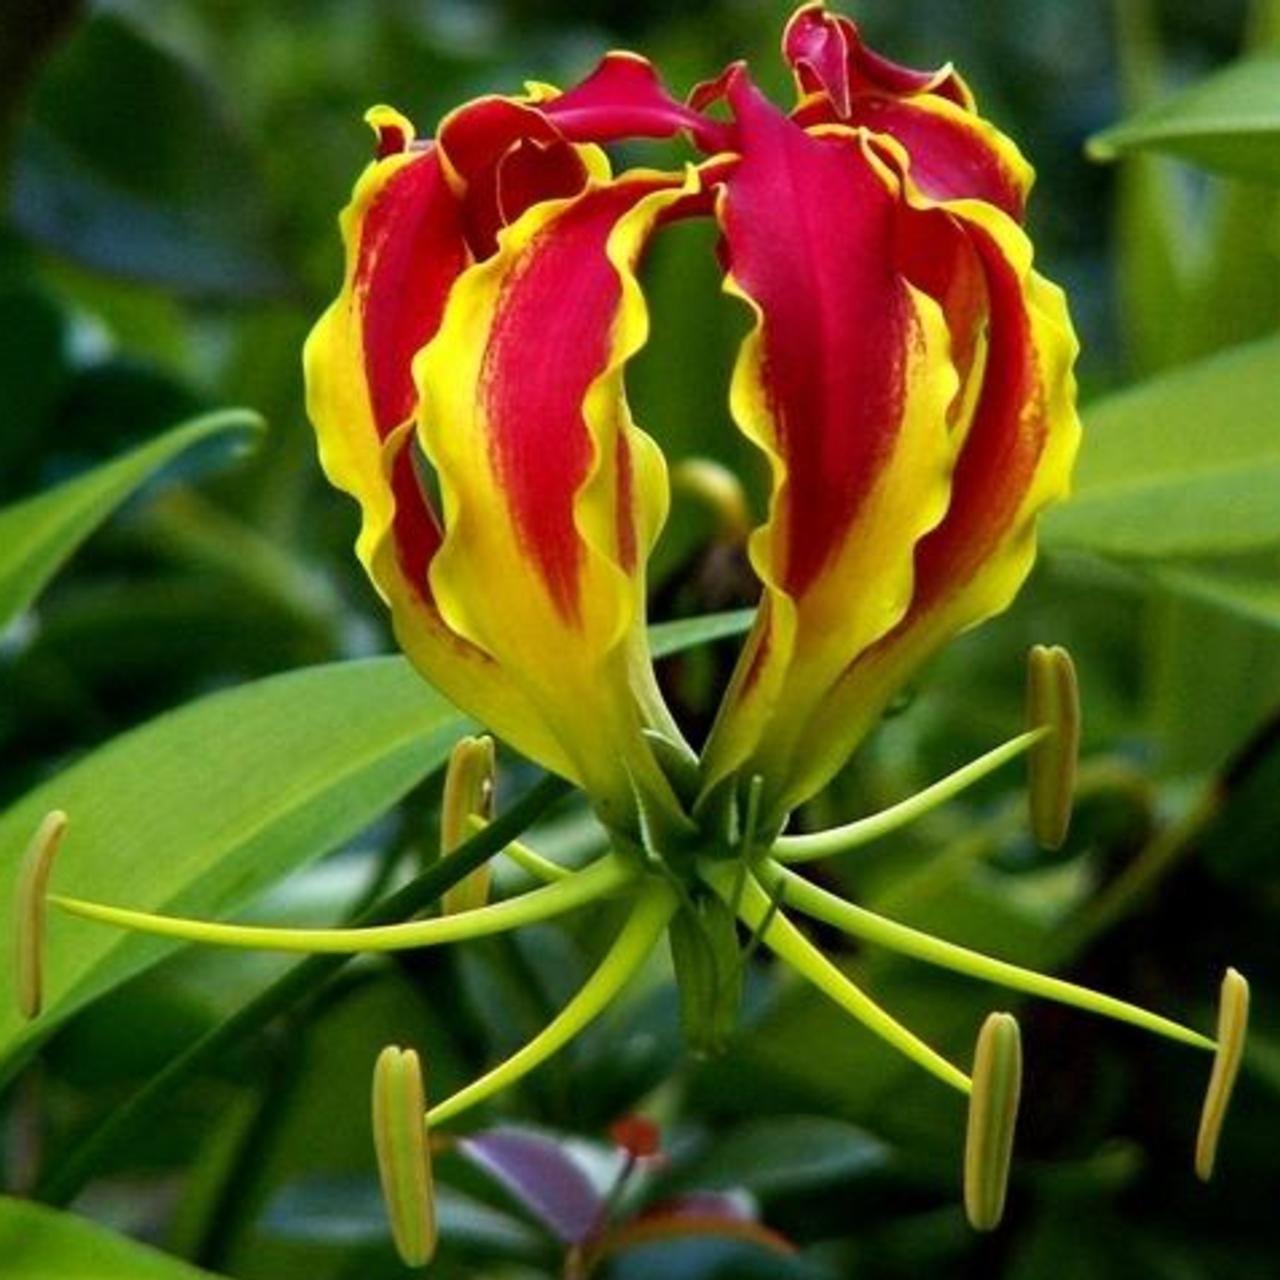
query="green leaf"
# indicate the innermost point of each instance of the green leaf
(37, 1243)
(672, 637)
(1247, 586)
(785, 1155)
(1229, 122)
(202, 808)
(130, 163)
(37, 535)
(1187, 464)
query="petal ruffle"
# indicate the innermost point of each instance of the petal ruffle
(846, 384)
(552, 496)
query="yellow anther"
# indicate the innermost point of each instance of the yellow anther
(718, 489)
(993, 1114)
(1233, 1024)
(468, 794)
(1053, 703)
(29, 904)
(403, 1147)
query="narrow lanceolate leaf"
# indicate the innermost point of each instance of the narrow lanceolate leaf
(1053, 703)
(200, 809)
(37, 1243)
(404, 1153)
(39, 534)
(1187, 464)
(1228, 122)
(1233, 1025)
(160, 822)
(993, 1115)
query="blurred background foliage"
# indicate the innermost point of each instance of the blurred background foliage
(171, 175)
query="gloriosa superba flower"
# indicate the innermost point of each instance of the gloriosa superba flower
(908, 377)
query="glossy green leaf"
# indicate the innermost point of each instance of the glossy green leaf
(202, 808)
(37, 1243)
(1186, 464)
(37, 535)
(671, 637)
(1229, 122)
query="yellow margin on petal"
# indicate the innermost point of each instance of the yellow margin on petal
(737, 734)
(581, 682)
(358, 463)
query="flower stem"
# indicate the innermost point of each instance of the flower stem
(861, 923)
(653, 911)
(602, 877)
(823, 844)
(791, 946)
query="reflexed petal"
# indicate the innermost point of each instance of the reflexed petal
(845, 384)
(405, 251)
(625, 98)
(501, 156)
(954, 152)
(552, 495)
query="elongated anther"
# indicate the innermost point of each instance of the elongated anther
(404, 1153)
(993, 1114)
(1233, 1024)
(29, 906)
(1053, 702)
(468, 793)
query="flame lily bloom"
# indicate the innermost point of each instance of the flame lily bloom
(908, 377)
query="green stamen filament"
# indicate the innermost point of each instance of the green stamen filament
(602, 877)
(653, 911)
(761, 912)
(527, 859)
(824, 844)
(867, 925)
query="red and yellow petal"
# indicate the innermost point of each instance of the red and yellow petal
(404, 253)
(625, 98)
(1019, 446)
(846, 384)
(552, 496)
(827, 55)
(954, 152)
